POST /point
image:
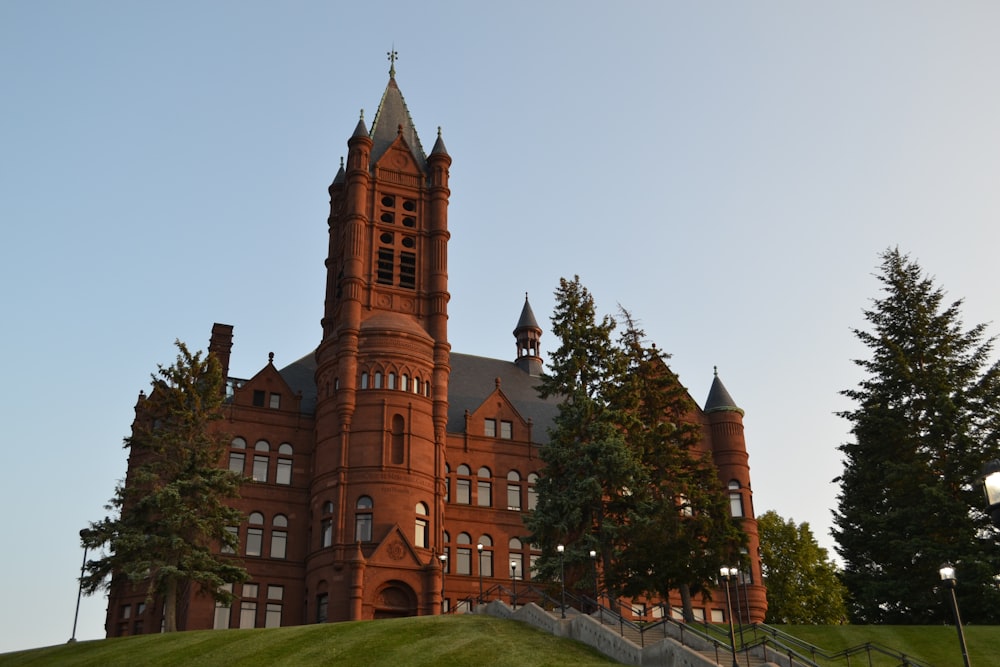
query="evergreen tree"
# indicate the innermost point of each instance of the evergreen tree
(923, 423)
(623, 475)
(802, 581)
(584, 491)
(678, 532)
(170, 515)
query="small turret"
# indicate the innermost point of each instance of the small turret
(527, 333)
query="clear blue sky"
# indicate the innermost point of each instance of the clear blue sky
(727, 171)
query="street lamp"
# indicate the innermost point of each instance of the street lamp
(562, 579)
(991, 485)
(726, 573)
(79, 590)
(479, 548)
(947, 572)
(444, 562)
(513, 584)
(597, 590)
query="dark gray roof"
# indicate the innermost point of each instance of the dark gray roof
(527, 319)
(474, 378)
(472, 381)
(391, 115)
(719, 399)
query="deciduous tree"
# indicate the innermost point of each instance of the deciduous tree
(802, 581)
(169, 517)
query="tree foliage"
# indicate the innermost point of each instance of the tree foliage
(802, 581)
(169, 516)
(924, 421)
(623, 474)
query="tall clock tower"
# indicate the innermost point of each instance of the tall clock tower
(377, 493)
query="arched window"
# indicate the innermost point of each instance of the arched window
(363, 520)
(238, 456)
(447, 483)
(364, 380)
(485, 548)
(463, 485)
(484, 488)
(283, 472)
(391, 384)
(514, 491)
(515, 550)
(255, 534)
(326, 526)
(463, 564)
(404, 382)
(735, 498)
(398, 444)
(378, 379)
(532, 494)
(260, 460)
(279, 536)
(421, 535)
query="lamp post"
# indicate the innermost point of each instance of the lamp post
(735, 573)
(562, 580)
(513, 584)
(991, 485)
(726, 573)
(947, 572)
(79, 591)
(479, 548)
(597, 590)
(444, 562)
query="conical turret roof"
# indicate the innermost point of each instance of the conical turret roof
(391, 120)
(527, 319)
(719, 399)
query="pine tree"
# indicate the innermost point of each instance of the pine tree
(923, 423)
(170, 515)
(678, 531)
(583, 493)
(802, 581)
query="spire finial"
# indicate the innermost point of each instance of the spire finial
(341, 161)
(525, 297)
(392, 61)
(715, 371)
(362, 114)
(439, 131)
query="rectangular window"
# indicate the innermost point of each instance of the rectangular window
(420, 538)
(127, 611)
(506, 430)
(385, 266)
(260, 468)
(275, 401)
(363, 527)
(222, 611)
(322, 600)
(279, 539)
(464, 564)
(517, 564)
(513, 497)
(250, 590)
(463, 491)
(275, 592)
(236, 462)
(235, 532)
(484, 494)
(532, 498)
(283, 473)
(487, 563)
(407, 270)
(258, 398)
(248, 614)
(490, 428)
(255, 539)
(272, 615)
(326, 533)
(736, 504)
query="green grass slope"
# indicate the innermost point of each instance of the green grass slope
(931, 645)
(431, 641)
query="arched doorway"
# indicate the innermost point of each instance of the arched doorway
(395, 599)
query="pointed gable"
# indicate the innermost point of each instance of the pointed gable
(268, 389)
(498, 408)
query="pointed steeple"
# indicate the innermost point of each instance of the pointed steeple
(393, 119)
(527, 333)
(439, 148)
(360, 130)
(719, 399)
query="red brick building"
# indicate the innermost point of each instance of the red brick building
(382, 450)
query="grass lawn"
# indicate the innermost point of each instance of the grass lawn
(427, 641)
